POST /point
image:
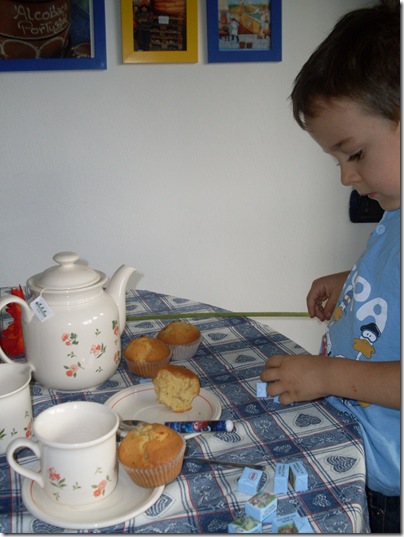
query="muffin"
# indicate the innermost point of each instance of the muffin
(146, 355)
(152, 454)
(176, 386)
(182, 338)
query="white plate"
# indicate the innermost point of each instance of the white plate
(127, 501)
(140, 403)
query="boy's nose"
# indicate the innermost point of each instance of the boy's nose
(349, 177)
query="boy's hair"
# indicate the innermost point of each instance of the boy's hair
(359, 60)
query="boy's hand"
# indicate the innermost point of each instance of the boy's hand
(303, 377)
(294, 378)
(323, 295)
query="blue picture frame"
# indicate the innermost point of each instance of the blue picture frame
(98, 59)
(262, 39)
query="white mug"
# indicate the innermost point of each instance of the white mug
(76, 446)
(15, 403)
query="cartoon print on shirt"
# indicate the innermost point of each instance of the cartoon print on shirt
(346, 300)
(373, 312)
(364, 344)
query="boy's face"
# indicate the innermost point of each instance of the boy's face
(366, 146)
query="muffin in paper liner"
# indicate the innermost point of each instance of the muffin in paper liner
(182, 337)
(145, 356)
(184, 352)
(148, 369)
(159, 475)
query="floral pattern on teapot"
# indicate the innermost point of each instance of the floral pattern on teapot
(69, 339)
(96, 350)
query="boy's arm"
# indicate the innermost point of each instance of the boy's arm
(308, 377)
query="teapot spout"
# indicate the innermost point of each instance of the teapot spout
(116, 289)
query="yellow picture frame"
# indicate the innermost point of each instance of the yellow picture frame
(130, 55)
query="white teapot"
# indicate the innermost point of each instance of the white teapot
(71, 325)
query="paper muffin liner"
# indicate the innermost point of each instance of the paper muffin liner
(148, 369)
(184, 352)
(159, 475)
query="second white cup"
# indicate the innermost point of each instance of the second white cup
(76, 446)
(15, 403)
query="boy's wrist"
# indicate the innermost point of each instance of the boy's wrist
(325, 376)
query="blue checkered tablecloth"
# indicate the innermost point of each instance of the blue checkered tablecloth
(204, 498)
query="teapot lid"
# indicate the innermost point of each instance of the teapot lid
(66, 275)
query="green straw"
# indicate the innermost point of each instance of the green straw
(205, 315)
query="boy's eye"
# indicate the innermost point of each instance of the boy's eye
(356, 156)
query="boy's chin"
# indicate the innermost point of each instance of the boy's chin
(389, 205)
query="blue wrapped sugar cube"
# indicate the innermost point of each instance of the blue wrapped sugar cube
(286, 524)
(144, 380)
(244, 524)
(291, 523)
(261, 389)
(298, 476)
(261, 506)
(249, 481)
(269, 518)
(281, 478)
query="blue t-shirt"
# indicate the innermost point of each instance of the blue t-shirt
(366, 326)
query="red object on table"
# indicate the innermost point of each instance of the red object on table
(12, 341)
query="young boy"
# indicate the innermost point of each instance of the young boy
(347, 97)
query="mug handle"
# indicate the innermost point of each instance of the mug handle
(26, 472)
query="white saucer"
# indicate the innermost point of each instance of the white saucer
(139, 403)
(127, 501)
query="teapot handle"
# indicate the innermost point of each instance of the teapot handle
(26, 314)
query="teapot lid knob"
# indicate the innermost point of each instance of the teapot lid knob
(64, 258)
(67, 274)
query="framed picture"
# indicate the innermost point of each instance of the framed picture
(159, 31)
(55, 34)
(244, 30)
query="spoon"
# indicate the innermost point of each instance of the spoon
(204, 426)
(127, 425)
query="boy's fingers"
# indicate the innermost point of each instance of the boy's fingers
(273, 361)
(286, 399)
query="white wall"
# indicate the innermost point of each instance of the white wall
(196, 174)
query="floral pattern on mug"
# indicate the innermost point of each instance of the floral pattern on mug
(55, 479)
(13, 432)
(4, 433)
(98, 350)
(28, 429)
(100, 488)
(70, 339)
